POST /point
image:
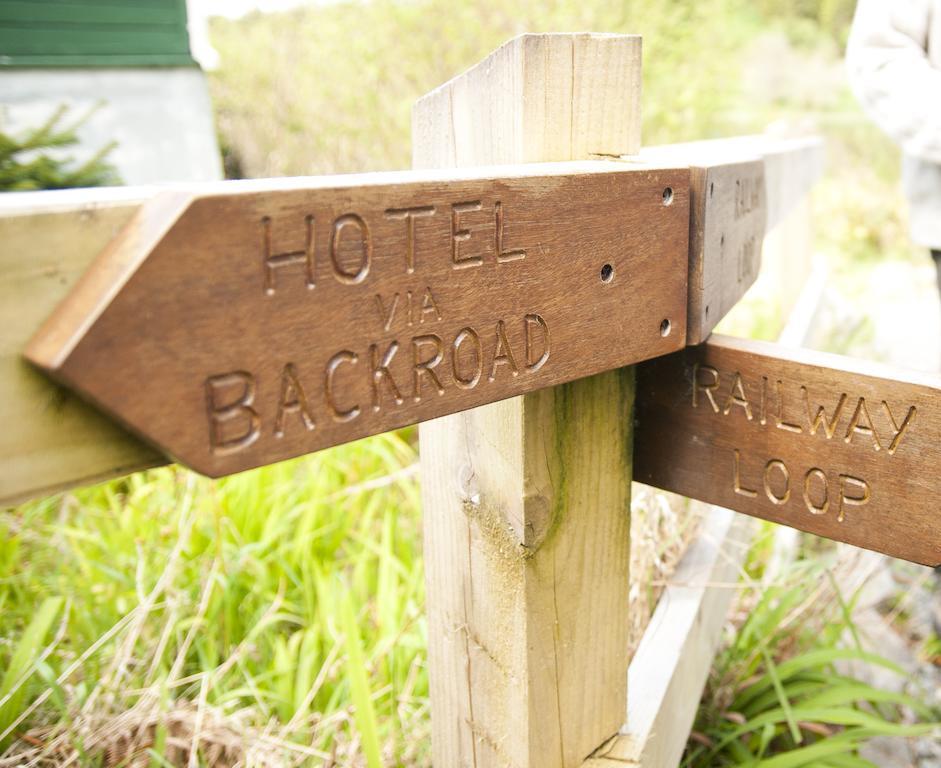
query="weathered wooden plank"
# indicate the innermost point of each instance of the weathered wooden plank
(50, 438)
(54, 440)
(787, 256)
(250, 324)
(727, 224)
(833, 446)
(672, 662)
(740, 189)
(791, 165)
(527, 502)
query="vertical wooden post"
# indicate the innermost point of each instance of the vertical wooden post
(527, 501)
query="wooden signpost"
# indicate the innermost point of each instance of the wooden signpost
(238, 324)
(829, 445)
(251, 322)
(52, 440)
(248, 324)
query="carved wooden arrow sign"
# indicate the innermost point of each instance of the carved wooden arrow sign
(826, 444)
(246, 323)
(255, 321)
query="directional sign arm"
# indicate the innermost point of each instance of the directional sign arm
(740, 189)
(248, 323)
(54, 441)
(830, 445)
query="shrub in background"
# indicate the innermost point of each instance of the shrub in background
(35, 162)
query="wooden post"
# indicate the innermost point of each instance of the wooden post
(527, 501)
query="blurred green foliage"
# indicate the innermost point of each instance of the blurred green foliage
(806, 19)
(35, 161)
(331, 90)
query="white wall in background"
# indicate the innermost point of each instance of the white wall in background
(161, 117)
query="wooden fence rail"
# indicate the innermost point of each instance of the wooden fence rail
(515, 294)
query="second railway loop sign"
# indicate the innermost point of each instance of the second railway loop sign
(238, 324)
(833, 446)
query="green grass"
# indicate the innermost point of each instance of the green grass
(276, 597)
(25, 658)
(777, 695)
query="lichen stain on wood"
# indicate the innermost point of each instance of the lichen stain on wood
(495, 530)
(546, 499)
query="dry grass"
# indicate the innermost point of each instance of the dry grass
(662, 526)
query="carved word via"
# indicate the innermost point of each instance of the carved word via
(414, 308)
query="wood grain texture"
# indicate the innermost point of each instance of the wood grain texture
(676, 653)
(476, 119)
(727, 227)
(672, 662)
(52, 439)
(240, 327)
(832, 446)
(527, 502)
(740, 189)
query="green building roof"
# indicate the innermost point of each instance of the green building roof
(94, 33)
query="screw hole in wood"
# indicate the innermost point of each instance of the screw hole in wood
(665, 328)
(668, 196)
(607, 273)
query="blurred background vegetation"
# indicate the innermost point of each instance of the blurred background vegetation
(276, 617)
(37, 160)
(331, 90)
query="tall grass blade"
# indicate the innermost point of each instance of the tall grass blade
(836, 747)
(364, 714)
(15, 679)
(819, 659)
(782, 697)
